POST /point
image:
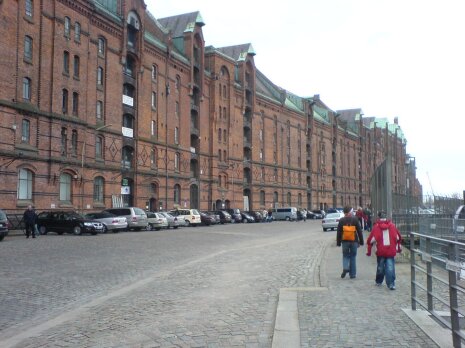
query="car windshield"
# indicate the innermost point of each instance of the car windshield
(2, 215)
(333, 216)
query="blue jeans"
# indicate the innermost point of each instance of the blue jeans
(386, 268)
(349, 255)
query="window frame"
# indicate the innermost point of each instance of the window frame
(25, 184)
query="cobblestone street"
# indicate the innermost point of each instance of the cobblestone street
(192, 287)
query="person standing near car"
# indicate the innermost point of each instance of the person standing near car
(388, 241)
(30, 220)
(350, 237)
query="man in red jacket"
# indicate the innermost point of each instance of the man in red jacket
(388, 243)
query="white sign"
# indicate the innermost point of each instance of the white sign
(125, 190)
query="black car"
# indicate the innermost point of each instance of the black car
(3, 225)
(207, 219)
(236, 215)
(256, 214)
(247, 217)
(225, 217)
(67, 221)
(312, 215)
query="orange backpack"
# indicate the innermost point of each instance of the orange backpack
(348, 233)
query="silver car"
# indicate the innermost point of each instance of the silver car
(136, 217)
(172, 220)
(156, 221)
(331, 220)
(110, 221)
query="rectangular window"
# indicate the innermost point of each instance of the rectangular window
(76, 66)
(99, 110)
(99, 147)
(77, 32)
(26, 131)
(101, 46)
(75, 103)
(176, 161)
(65, 188)
(28, 48)
(64, 141)
(66, 62)
(154, 128)
(74, 143)
(154, 100)
(177, 109)
(100, 76)
(67, 26)
(176, 135)
(64, 101)
(29, 8)
(27, 88)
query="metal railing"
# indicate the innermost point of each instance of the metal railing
(437, 266)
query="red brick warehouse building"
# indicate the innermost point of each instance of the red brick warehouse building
(102, 104)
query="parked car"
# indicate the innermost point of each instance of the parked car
(110, 221)
(256, 214)
(3, 225)
(285, 213)
(331, 221)
(136, 217)
(312, 215)
(190, 217)
(207, 219)
(172, 220)
(235, 214)
(320, 212)
(67, 221)
(225, 217)
(246, 217)
(156, 221)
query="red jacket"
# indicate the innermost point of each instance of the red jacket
(386, 237)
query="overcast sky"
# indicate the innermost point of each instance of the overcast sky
(396, 58)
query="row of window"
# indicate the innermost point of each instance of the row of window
(26, 181)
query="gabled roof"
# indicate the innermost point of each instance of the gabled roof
(180, 24)
(238, 52)
(267, 88)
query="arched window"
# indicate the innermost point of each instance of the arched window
(275, 198)
(154, 100)
(219, 134)
(178, 83)
(262, 198)
(128, 121)
(130, 66)
(225, 138)
(99, 110)
(100, 76)
(154, 157)
(176, 160)
(65, 188)
(99, 184)
(29, 8)
(67, 26)
(177, 194)
(24, 190)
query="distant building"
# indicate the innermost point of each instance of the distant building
(104, 105)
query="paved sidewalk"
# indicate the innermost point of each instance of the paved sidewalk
(357, 313)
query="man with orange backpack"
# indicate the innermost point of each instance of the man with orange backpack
(350, 236)
(388, 241)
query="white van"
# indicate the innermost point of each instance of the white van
(459, 220)
(285, 213)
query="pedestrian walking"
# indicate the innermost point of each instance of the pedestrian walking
(388, 240)
(30, 220)
(350, 237)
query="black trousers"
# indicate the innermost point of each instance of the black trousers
(30, 229)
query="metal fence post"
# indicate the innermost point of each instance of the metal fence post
(429, 275)
(413, 290)
(454, 314)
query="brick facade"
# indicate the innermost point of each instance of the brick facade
(178, 123)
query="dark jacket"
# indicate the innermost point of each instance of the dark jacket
(30, 217)
(353, 221)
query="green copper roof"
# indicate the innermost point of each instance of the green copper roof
(320, 114)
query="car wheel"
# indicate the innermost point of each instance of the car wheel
(60, 233)
(94, 233)
(188, 223)
(158, 229)
(287, 218)
(77, 230)
(149, 227)
(325, 229)
(245, 221)
(105, 229)
(1, 237)
(43, 230)
(175, 227)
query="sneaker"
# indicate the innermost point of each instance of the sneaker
(379, 284)
(343, 274)
(353, 277)
(392, 287)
